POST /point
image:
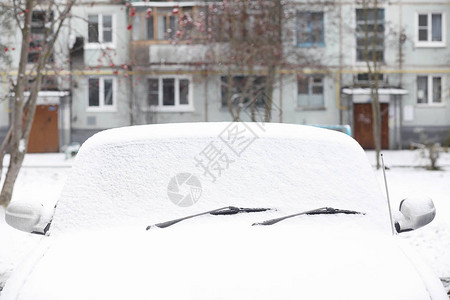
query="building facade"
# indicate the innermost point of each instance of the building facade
(127, 67)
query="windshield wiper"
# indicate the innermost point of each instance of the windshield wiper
(227, 210)
(318, 211)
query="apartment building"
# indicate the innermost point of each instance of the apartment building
(128, 65)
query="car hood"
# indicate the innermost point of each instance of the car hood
(221, 262)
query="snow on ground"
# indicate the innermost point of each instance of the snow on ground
(43, 176)
(407, 177)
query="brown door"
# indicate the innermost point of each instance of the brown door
(362, 123)
(44, 131)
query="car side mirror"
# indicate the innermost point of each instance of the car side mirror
(414, 212)
(31, 217)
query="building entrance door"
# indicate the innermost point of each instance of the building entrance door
(363, 125)
(44, 135)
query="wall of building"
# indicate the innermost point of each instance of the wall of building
(423, 122)
(404, 61)
(102, 61)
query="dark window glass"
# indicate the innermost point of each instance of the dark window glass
(436, 27)
(310, 29)
(365, 21)
(38, 20)
(302, 84)
(94, 90)
(150, 29)
(318, 90)
(422, 89)
(168, 91)
(107, 28)
(423, 34)
(172, 27)
(437, 90)
(423, 20)
(108, 91)
(93, 29)
(254, 93)
(153, 92)
(184, 91)
(316, 28)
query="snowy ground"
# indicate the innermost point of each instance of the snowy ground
(43, 176)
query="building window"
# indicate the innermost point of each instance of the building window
(429, 89)
(310, 29)
(100, 29)
(367, 80)
(101, 93)
(430, 29)
(38, 21)
(162, 23)
(243, 91)
(162, 26)
(168, 93)
(373, 41)
(310, 92)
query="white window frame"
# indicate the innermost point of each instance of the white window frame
(429, 43)
(311, 84)
(430, 91)
(100, 44)
(101, 90)
(177, 107)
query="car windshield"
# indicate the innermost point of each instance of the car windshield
(228, 210)
(317, 211)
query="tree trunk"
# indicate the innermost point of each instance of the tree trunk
(376, 116)
(372, 67)
(17, 142)
(269, 94)
(4, 148)
(23, 111)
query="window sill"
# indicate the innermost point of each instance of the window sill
(430, 105)
(173, 109)
(311, 45)
(430, 44)
(321, 108)
(102, 46)
(101, 109)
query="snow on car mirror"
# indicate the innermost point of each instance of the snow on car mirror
(26, 216)
(415, 212)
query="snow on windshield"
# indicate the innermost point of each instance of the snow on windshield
(148, 174)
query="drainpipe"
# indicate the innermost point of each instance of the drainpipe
(71, 85)
(340, 64)
(281, 98)
(130, 70)
(206, 94)
(400, 67)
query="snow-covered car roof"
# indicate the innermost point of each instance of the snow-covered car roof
(133, 176)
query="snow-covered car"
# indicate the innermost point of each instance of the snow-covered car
(221, 211)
